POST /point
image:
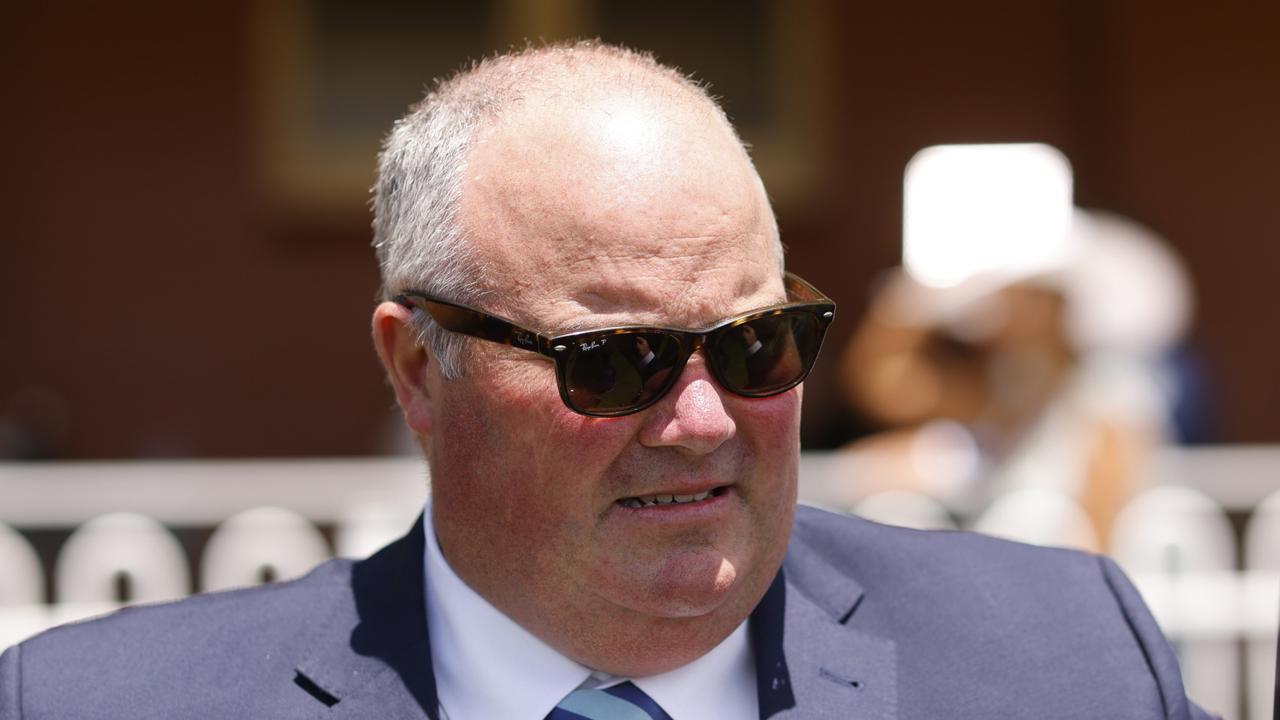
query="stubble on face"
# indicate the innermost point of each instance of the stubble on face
(590, 214)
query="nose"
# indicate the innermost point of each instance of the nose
(692, 418)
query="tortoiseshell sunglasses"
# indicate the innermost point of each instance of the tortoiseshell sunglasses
(622, 370)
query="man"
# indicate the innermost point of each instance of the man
(598, 545)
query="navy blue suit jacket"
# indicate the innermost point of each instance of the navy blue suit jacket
(864, 621)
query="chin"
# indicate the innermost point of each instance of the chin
(688, 584)
(673, 616)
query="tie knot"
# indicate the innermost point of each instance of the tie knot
(623, 701)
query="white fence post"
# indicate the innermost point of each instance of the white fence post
(21, 580)
(114, 552)
(1179, 548)
(22, 609)
(261, 542)
(905, 508)
(1041, 517)
(1262, 602)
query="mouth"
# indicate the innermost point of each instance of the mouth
(661, 499)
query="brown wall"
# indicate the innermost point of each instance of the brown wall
(144, 286)
(151, 302)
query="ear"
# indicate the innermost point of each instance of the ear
(408, 364)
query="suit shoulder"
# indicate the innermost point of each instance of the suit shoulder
(960, 605)
(217, 614)
(929, 574)
(869, 549)
(177, 659)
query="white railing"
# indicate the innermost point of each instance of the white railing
(151, 530)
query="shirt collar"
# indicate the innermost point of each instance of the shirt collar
(721, 683)
(487, 666)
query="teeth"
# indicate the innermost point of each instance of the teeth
(655, 500)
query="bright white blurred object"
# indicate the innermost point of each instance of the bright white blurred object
(1127, 292)
(980, 217)
(364, 529)
(905, 509)
(260, 544)
(996, 211)
(1041, 517)
(121, 546)
(945, 452)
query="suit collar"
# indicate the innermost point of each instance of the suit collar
(810, 662)
(373, 654)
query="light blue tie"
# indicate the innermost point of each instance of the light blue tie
(624, 701)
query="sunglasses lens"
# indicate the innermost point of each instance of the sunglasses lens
(613, 374)
(767, 355)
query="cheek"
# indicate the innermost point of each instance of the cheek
(771, 426)
(528, 465)
(481, 448)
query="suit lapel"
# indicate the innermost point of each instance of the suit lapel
(809, 662)
(372, 656)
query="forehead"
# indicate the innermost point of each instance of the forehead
(619, 209)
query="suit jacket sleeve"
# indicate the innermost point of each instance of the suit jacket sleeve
(10, 685)
(1164, 664)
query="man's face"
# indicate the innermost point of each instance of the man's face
(601, 214)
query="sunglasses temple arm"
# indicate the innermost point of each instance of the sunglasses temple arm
(482, 325)
(802, 290)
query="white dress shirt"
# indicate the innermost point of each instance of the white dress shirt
(488, 667)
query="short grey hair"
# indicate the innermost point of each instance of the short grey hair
(416, 232)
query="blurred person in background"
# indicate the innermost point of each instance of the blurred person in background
(606, 538)
(1057, 381)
